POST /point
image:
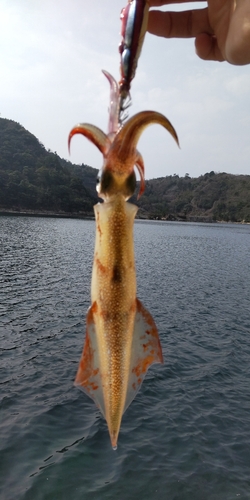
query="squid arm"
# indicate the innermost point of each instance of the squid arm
(114, 107)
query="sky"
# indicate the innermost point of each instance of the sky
(51, 56)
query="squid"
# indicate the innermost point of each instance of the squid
(121, 340)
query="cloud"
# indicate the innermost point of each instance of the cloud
(238, 85)
(51, 79)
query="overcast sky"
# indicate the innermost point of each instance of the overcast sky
(51, 57)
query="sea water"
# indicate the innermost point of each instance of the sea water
(186, 436)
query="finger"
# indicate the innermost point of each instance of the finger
(160, 3)
(207, 48)
(185, 24)
(237, 46)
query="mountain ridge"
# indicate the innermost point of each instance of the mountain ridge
(36, 180)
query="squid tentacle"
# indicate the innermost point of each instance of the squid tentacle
(139, 163)
(129, 135)
(114, 100)
(93, 134)
(119, 150)
(122, 155)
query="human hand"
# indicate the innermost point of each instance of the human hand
(221, 30)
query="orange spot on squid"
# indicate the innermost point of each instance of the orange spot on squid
(100, 266)
(143, 365)
(93, 386)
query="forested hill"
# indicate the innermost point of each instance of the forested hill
(36, 180)
(210, 197)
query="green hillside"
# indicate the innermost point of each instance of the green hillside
(210, 197)
(36, 180)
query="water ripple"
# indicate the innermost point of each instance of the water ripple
(186, 436)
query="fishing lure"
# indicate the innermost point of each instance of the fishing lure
(121, 340)
(134, 18)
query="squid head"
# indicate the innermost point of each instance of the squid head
(120, 153)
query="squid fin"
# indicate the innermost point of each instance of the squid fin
(88, 376)
(146, 350)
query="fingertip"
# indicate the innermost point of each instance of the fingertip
(203, 45)
(206, 48)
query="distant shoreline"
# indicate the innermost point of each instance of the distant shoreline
(48, 214)
(88, 216)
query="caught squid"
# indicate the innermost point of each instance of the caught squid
(121, 340)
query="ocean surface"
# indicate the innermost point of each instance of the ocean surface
(186, 436)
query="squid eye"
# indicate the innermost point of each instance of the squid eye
(106, 182)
